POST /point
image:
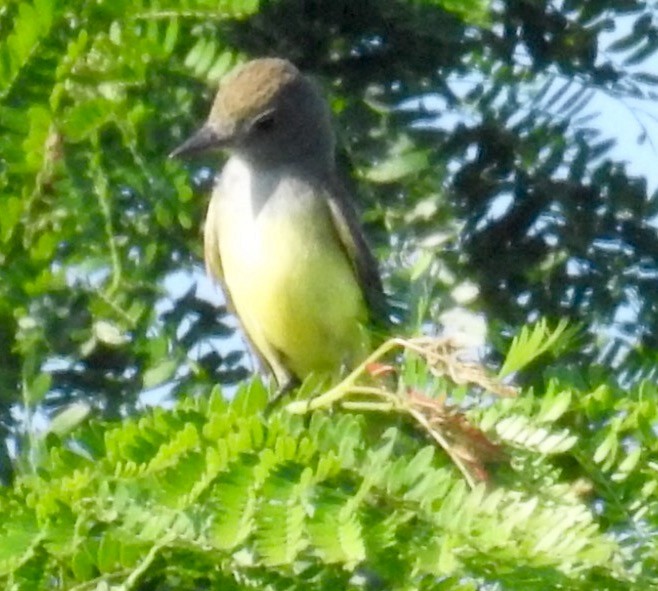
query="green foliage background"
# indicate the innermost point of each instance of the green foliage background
(519, 196)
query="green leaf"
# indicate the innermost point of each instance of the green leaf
(160, 373)
(398, 166)
(87, 117)
(38, 388)
(553, 407)
(250, 398)
(535, 341)
(69, 418)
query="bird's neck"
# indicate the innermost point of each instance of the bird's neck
(312, 167)
(254, 184)
(312, 161)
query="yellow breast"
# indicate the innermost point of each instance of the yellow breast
(290, 279)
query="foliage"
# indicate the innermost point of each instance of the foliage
(533, 342)
(475, 141)
(213, 495)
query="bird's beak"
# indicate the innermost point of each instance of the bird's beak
(207, 138)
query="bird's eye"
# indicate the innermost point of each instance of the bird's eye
(263, 122)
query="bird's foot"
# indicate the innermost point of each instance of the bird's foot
(281, 393)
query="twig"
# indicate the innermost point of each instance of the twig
(465, 444)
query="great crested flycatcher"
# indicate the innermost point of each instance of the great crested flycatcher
(281, 236)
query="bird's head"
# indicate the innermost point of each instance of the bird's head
(266, 111)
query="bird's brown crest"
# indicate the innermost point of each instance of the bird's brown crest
(249, 90)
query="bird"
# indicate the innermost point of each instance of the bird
(281, 236)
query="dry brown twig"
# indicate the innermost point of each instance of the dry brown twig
(443, 359)
(468, 447)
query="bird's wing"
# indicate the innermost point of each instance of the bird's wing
(356, 247)
(211, 252)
